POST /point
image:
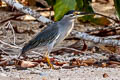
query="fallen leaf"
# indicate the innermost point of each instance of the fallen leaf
(109, 49)
(113, 65)
(114, 62)
(59, 63)
(89, 61)
(27, 64)
(104, 65)
(85, 64)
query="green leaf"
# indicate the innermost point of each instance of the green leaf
(79, 5)
(87, 7)
(63, 6)
(51, 2)
(117, 7)
(84, 6)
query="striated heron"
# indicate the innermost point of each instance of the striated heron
(53, 34)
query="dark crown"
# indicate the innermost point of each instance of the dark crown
(70, 12)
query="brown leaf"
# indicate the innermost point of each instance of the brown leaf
(109, 49)
(104, 65)
(85, 64)
(101, 21)
(75, 62)
(59, 63)
(114, 62)
(27, 64)
(113, 65)
(89, 61)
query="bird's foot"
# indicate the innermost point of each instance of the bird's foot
(49, 62)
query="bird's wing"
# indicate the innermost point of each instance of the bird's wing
(43, 38)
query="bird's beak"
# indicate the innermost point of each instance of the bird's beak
(79, 14)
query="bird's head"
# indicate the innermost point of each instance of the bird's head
(72, 14)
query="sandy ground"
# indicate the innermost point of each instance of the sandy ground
(82, 73)
(38, 73)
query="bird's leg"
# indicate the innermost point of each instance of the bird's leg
(48, 60)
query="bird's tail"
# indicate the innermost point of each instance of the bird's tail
(24, 49)
(21, 54)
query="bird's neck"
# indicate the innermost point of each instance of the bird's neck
(67, 26)
(67, 23)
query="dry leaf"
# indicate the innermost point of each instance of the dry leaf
(114, 62)
(89, 61)
(59, 63)
(104, 65)
(113, 65)
(75, 62)
(109, 49)
(101, 21)
(28, 18)
(85, 64)
(27, 64)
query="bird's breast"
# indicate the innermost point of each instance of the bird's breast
(64, 32)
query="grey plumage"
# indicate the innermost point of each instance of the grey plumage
(43, 38)
(52, 35)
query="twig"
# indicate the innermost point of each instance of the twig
(27, 10)
(98, 30)
(70, 49)
(95, 13)
(17, 47)
(95, 39)
(9, 24)
(82, 35)
(3, 51)
(14, 16)
(112, 37)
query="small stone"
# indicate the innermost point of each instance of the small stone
(105, 75)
